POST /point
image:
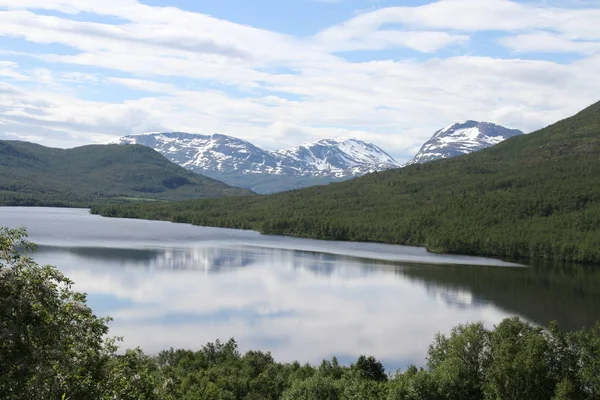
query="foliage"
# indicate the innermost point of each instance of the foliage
(457, 362)
(313, 388)
(33, 175)
(531, 196)
(51, 343)
(53, 347)
(369, 368)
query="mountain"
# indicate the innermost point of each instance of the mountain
(240, 163)
(462, 138)
(337, 157)
(534, 195)
(31, 174)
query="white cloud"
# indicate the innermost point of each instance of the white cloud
(278, 90)
(9, 70)
(144, 85)
(426, 42)
(479, 15)
(546, 42)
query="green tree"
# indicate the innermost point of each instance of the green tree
(51, 343)
(314, 388)
(370, 368)
(332, 368)
(458, 362)
(361, 389)
(520, 363)
(586, 345)
(131, 376)
(414, 384)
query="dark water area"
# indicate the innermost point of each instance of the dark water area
(173, 285)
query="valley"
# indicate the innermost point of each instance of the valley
(531, 196)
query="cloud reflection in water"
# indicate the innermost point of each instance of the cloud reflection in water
(299, 305)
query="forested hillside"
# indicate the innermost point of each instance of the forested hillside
(535, 195)
(31, 174)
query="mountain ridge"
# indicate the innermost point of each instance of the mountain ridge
(32, 174)
(240, 163)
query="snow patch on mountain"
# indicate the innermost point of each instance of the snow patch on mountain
(462, 138)
(214, 154)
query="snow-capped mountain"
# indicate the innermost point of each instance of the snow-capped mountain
(337, 157)
(240, 163)
(208, 153)
(462, 138)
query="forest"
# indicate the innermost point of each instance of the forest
(54, 347)
(534, 196)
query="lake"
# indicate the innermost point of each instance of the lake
(175, 285)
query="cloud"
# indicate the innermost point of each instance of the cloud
(480, 15)
(164, 68)
(145, 85)
(9, 70)
(338, 40)
(546, 42)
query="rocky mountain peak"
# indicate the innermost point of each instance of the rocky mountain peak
(462, 138)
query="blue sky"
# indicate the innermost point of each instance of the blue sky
(279, 73)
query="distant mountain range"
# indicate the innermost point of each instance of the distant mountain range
(31, 174)
(240, 163)
(462, 138)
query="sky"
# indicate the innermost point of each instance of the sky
(283, 72)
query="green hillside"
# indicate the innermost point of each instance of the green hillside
(535, 195)
(31, 174)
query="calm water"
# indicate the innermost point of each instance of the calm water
(177, 285)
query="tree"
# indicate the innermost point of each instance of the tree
(313, 388)
(332, 368)
(370, 368)
(51, 344)
(458, 362)
(360, 389)
(413, 384)
(520, 363)
(586, 344)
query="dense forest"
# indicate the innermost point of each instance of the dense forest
(34, 175)
(532, 196)
(54, 347)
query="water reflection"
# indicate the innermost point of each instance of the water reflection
(567, 294)
(302, 305)
(299, 305)
(182, 286)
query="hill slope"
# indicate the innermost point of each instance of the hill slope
(535, 195)
(240, 163)
(31, 174)
(462, 138)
